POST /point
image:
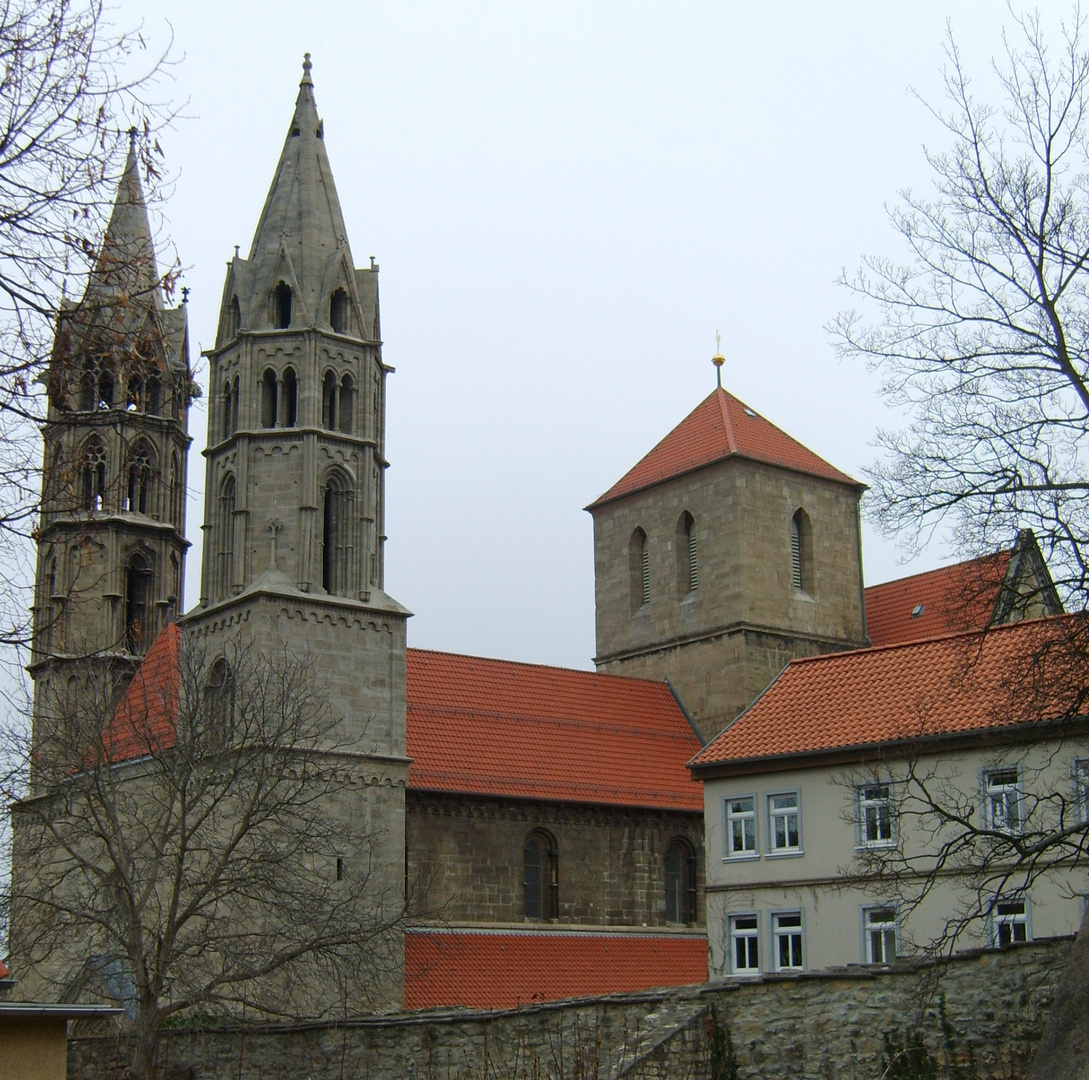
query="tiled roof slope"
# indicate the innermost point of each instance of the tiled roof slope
(720, 427)
(501, 970)
(949, 600)
(146, 720)
(494, 727)
(951, 685)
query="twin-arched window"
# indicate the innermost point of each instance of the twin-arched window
(541, 885)
(139, 488)
(279, 399)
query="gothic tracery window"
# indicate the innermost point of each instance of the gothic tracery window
(139, 489)
(336, 532)
(93, 475)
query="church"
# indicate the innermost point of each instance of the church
(539, 823)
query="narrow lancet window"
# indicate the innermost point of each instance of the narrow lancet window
(639, 567)
(329, 402)
(138, 583)
(282, 304)
(347, 404)
(290, 398)
(268, 399)
(336, 530)
(688, 571)
(338, 311)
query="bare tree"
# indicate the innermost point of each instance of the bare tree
(983, 333)
(66, 98)
(207, 846)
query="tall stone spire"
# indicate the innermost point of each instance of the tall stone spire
(301, 229)
(125, 267)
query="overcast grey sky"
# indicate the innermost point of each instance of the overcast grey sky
(567, 200)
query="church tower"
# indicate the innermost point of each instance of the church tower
(111, 541)
(293, 526)
(727, 551)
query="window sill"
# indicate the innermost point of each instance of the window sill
(877, 845)
(791, 853)
(747, 856)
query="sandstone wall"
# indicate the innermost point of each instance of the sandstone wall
(980, 1013)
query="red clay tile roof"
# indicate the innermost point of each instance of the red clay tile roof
(950, 685)
(146, 720)
(720, 427)
(4, 972)
(949, 600)
(504, 969)
(494, 727)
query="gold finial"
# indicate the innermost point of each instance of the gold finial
(718, 359)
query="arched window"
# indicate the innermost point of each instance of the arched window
(88, 389)
(134, 400)
(220, 701)
(290, 397)
(234, 406)
(329, 402)
(93, 475)
(153, 398)
(541, 876)
(228, 413)
(801, 552)
(224, 539)
(105, 388)
(268, 399)
(177, 491)
(338, 311)
(639, 566)
(139, 578)
(680, 882)
(281, 302)
(688, 568)
(233, 320)
(139, 492)
(347, 404)
(336, 532)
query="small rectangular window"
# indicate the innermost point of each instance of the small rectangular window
(877, 823)
(1002, 800)
(1081, 789)
(787, 930)
(784, 823)
(1009, 921)
(741, 826)
(880, 929)
(744, 945)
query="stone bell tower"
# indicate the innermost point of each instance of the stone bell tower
(293, 526)
(111, 541)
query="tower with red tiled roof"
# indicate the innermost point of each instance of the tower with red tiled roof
(293, 523)
(111, 539)
(727, 550)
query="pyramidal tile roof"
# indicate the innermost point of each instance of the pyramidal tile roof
(484, 969)
(720, 427)
(495, 727)
(957, 684)
(948, 600)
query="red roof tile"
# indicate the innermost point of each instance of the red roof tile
(4, 972)
(146, 720)
(495, 727)
(954, 684)
(720, 427)
(948, 600)
(504, 969)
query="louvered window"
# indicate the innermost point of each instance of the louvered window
(688, 571)
(646, 573)
(795, 554)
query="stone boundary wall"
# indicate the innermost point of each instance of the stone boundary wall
(977, 1015)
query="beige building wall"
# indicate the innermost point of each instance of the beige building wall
(723, 642)
(824, 880)
(33, 1048)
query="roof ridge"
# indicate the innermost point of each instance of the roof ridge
(964, 563)
(543, 667)
(731, 438)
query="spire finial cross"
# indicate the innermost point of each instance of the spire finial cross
(132, 140)
(306, 80)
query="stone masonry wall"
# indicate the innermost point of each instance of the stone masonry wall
(465, 859)
(980, 1013)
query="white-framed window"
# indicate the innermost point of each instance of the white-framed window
(784, 823)
(1002, 804)
(876, 817)
(1081, 789)
(745, 944)
(880, 930)
(1010, 920)
(741, 826)
(786, 928)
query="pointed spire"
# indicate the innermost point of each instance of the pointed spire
(301, 227)
(125, 268)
